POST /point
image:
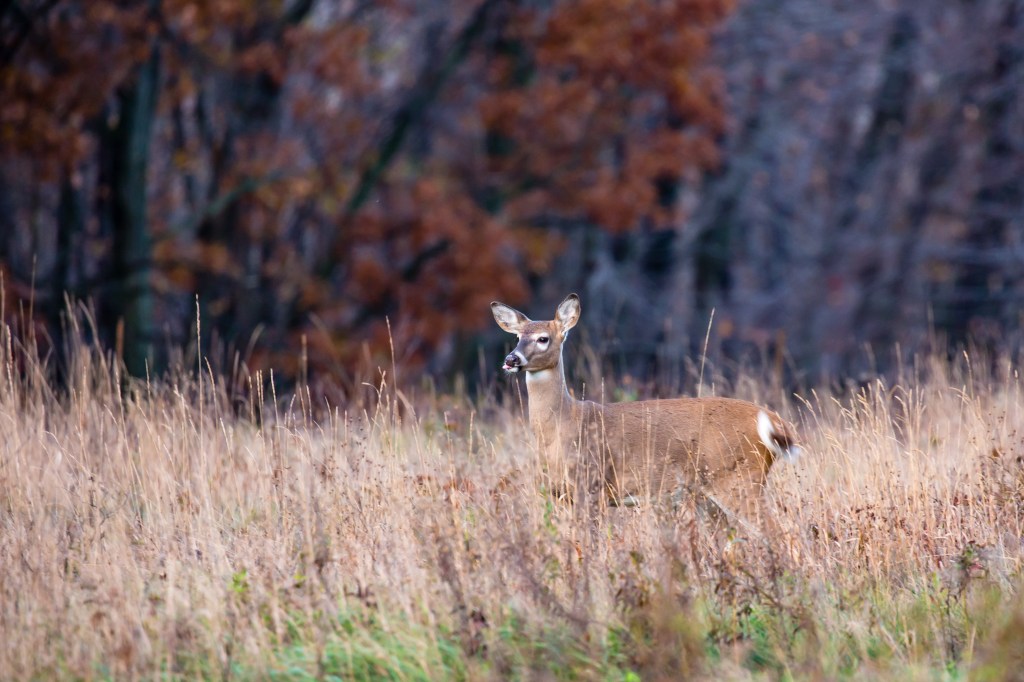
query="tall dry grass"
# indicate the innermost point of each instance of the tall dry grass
(169, 529)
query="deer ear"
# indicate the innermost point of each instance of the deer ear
(568, 313)
(508, 318)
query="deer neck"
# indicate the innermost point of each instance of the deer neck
(550, 402)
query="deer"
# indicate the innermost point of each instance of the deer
(717, 450)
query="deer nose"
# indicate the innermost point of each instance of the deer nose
(512, 361)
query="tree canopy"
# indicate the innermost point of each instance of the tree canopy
(316, 170)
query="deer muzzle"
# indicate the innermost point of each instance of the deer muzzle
(513, 362)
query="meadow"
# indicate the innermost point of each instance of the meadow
(205, 527)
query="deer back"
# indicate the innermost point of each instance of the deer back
(657, 447)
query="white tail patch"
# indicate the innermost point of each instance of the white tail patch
(766, 432)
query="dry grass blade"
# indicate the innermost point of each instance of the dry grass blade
(149, 530)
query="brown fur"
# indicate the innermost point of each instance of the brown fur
(652, 449)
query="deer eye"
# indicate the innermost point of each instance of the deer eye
(543, 339)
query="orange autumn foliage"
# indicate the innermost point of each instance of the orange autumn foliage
(317, 170)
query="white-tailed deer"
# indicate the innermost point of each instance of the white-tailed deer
(719, 449)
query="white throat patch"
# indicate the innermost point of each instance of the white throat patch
(540, 376)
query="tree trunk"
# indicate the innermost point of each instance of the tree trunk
(132, 246)
(70, 225)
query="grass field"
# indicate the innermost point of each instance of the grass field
(173, 531)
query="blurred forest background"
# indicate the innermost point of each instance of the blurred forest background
(827, 177)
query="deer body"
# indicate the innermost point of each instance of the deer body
(718, 448)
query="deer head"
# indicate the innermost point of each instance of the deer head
(540, 343)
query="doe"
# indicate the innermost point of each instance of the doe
(717, 449)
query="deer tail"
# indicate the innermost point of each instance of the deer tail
(777, 437)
